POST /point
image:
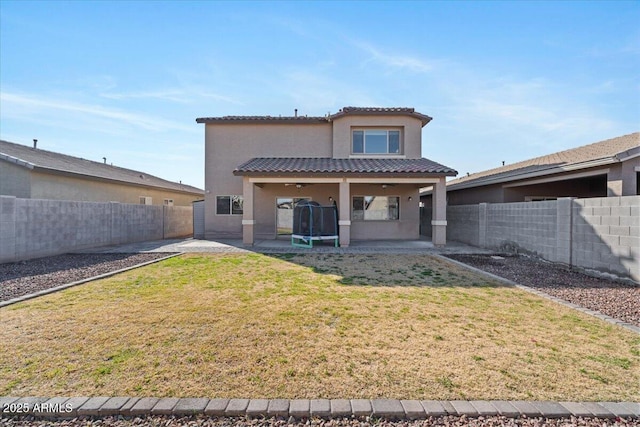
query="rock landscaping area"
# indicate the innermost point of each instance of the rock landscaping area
(620, 300)
(27, 277)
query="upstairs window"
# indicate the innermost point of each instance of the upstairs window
(375, 141)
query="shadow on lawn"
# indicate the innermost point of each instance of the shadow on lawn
(382, 270)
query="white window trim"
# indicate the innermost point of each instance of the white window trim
(375, 220)
(230, 204)
(364, 154)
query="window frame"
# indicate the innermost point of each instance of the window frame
(364, 131)
(364, 219)
(231, 201)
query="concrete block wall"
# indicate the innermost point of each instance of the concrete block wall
(178, 221)
(463, 224)
(532, 226)
(606, 235)
(31, 228)
(597, 233)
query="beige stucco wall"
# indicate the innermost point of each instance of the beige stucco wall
(15, 180)
(410, 126)
(629, 177)
(63, 187)
(229, 145)
(407, 227)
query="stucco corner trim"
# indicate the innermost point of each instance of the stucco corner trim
(438, 222)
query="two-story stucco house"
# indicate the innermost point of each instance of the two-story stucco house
(368, 161)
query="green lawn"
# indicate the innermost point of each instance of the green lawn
(311, 326)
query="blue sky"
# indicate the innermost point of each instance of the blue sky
(504, 81)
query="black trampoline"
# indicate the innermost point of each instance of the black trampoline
(313, 222)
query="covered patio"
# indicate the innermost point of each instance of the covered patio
(344, 182)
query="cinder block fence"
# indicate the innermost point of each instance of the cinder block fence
(31, 228)
(602, 234)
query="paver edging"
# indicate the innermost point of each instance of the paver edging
(597, 314)
(83, 281)
(392, 409)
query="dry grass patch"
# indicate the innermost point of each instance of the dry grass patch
(307, 326)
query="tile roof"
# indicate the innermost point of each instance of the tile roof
(326, 165)
(49, 160)
(319, 119)
(608, 151)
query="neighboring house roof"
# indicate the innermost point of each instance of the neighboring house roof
(587, 156)
(392, 111)
(327, 165)
(33, 158)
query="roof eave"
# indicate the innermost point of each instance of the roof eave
(480, 182)
(16, 161)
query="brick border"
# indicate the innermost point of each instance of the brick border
(392, 409)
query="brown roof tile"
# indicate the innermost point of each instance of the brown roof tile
(585, 156)
(305, 165)
(49, 160)
(318, 119)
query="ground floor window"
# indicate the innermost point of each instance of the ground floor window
(375, 208)
(229, 205)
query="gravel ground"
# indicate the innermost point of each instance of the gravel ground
(620, 300)
(197, 421)
(26, 277)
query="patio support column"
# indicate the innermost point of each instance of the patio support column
(247, 211)
(439, 219)
(344, 221)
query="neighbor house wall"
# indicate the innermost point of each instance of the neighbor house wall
(65, 187)
(227, 146)
(15, 180)
(31, 228)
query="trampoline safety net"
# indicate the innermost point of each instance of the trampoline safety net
(313, 222)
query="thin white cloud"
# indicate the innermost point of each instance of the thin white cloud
(32, 105)
(183, 96)
(396, 61)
